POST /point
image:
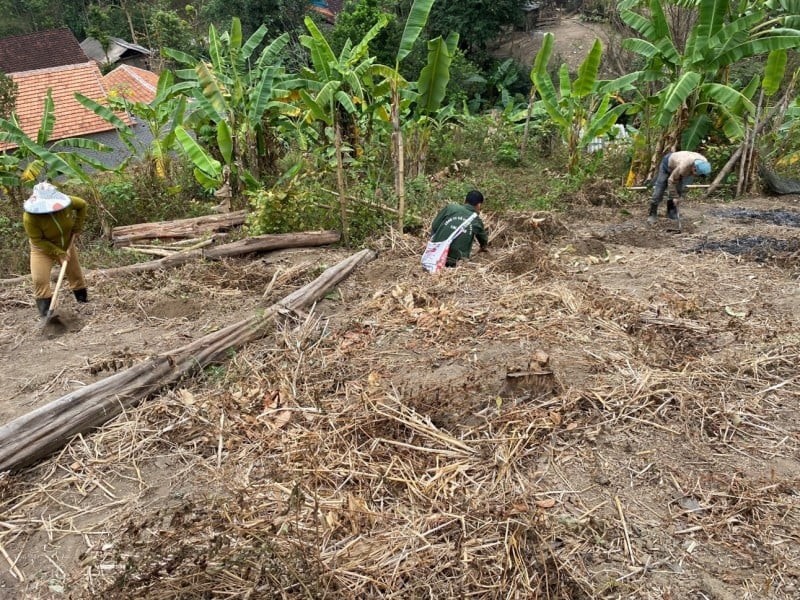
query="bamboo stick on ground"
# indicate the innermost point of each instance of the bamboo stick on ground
(262, 243)
(38, 433)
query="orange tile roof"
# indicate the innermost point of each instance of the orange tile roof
(72, 119)
(132, 83)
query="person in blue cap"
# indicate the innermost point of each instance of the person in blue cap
(676, 172)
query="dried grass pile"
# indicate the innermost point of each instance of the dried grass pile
(493, 432)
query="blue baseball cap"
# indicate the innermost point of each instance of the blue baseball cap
(702, 167)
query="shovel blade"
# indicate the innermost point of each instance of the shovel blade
(52, 321)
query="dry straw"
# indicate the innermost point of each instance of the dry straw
(364, 450)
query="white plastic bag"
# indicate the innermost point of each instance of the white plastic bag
(435, 255)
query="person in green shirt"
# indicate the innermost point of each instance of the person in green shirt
(53, 221)
(448, 220)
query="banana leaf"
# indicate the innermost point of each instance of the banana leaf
(317, 112)
(269, 55)
(48, 120)
(602, 122)
(225, 141)
(676, 94)
(641, 25)
(322, 56)
(164, 87)
(778, 39)
(732, 125)
(695, 131)
(212, 92)
(126, 134)
(83, 143)
(204, 180)
(726, 96)
(202, 161)
(587, 73)
(640, 47)
(56, 165)
(260, 96)
(417, 18)
(215, 48)
(179, 57)
(435, 76)
(620, 84)
(345, 100)
(564, 84)
(362, 47)
(774, 71)
(235, 40)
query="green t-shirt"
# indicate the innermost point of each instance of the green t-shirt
(448, 220)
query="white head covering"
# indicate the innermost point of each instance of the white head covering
(46, 199)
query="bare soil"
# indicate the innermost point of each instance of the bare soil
(572, 39)
(595, 408)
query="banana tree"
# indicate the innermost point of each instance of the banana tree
(431, 87)
(417, 18)
(236, 105)
(700, 95)
(774, 70)
(335, 91)
(161, 117)
(582, 109)
(39, 158)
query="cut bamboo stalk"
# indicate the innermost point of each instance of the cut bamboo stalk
(262, 243)
(35, 435)
(150, 251)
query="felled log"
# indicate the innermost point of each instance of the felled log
(35, 435)
(261, 243)
(180, 228)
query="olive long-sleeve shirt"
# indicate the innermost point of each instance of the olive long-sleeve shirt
(52, 232)
(448, 220)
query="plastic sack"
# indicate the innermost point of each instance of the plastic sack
(435, 256)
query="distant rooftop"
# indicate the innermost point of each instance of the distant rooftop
(117, 49)
(328, 8)
(132, 83)
(71, 118)
(40, 50)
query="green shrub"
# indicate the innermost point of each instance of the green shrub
(284, 209)
(13, 241)
(507, 154)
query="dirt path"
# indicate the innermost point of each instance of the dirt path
(649, 380)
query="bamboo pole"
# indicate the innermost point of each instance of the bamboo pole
(778, 108)
(261, 243)
(35, 435)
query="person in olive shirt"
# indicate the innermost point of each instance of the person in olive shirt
(53, 221)
(448, 220)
